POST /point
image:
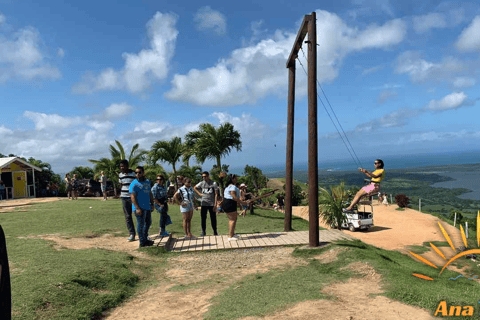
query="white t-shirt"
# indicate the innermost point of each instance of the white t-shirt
(230, 188)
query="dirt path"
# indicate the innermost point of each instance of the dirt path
(191, 280)
(396, 230)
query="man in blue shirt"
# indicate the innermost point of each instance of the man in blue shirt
(142, 204)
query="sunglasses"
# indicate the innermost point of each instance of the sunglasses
(204, 176)
(138, 172)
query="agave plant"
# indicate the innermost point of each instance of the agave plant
(332, 203)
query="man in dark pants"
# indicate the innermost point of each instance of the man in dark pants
(126, 177)
(208, 190)
(5, 288)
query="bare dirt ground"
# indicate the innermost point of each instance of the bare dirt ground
(189, 281)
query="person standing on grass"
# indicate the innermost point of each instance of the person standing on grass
(231, 197)
(160, 199)
(208, 190)
(185, 197)
(126, 177)
(75, 187)
(68, 185)
(142, 204)
(103, 185)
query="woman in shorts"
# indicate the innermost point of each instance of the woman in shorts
(374, 187)
(185, 197)
(231, 197)
(68, 185)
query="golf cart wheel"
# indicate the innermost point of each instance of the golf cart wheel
(351, 228)
(98, 194)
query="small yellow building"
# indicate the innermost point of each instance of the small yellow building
(13, 173)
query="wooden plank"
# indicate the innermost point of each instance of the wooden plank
(199, 244)
(233, 243)
(253, 241)
(219, 241)
(241, 242)
(260, 240)
(246, 241)
(268, 238)
(226, 243)
(214, 241)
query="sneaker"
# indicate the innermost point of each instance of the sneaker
(232, 239)
(236, 236)
(203, 234)
(215, 233)
(131, 238)
(164, 234)
(148, 243)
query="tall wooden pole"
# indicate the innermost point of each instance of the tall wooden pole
(312, 133)
(289, 162)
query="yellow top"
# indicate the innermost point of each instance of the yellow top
(382, 175)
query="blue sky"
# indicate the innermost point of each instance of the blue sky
(402, 77)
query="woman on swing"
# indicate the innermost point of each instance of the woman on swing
(374, 187)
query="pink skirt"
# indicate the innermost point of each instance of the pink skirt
(372, 188)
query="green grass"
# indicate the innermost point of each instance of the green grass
(277, 290)
(48, 283)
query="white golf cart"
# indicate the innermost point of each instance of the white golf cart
(359, 219)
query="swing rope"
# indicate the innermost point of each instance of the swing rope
(344, 136)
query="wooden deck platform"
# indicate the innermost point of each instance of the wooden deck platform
(252, 240)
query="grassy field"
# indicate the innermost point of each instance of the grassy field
(78, 284)
(52, 283)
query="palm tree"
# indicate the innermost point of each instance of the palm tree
(167, 151)
(212, 143)
(111, 166)
(187, 154)
(194, 173)
(332, 204)
(135, 157)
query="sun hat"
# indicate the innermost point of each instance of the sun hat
(243, 185)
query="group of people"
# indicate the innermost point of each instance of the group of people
(72, 186)
(139, 198)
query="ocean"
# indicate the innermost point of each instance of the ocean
(462, 179)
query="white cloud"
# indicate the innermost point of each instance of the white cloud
(386, 95)
(60, 52)
(420, 70)
(101, 125)
(371, 8)
(250, 128)
(207, 19)
(469, 39)
(5, 131)
(49, 122)
(22, 57)
(255, 71)
(464, 82)
(452, 101)
(116, 110)
(142, 68)
(2, 18)
(429, 21)
(397, 118)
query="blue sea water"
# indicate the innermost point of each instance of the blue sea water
(467, 180)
